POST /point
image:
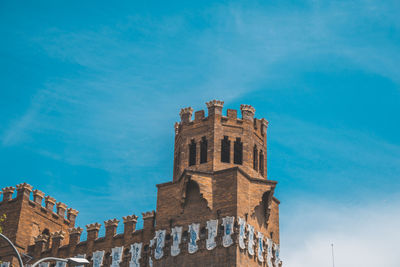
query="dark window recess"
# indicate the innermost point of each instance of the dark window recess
(225, 149)
(192, 153)
(177, 162)
(238, 152)
(261, 163)
(255, 158)
(203, 150)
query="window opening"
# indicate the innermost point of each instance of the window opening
(238, 151)
(203, 150)
(261, 163)
(255, 158)
(192, 153)
(225, 149)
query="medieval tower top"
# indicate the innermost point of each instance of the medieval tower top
(219, 142)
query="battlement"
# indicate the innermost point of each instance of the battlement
(215, 112)
(215, 108)
(61, 213)
(69, 243)
(218, 141)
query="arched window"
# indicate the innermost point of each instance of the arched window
(238, 152)
(203, 150)
(225, 149)
(255, 158)
(261, 163)
(192, 153)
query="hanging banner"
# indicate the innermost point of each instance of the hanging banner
(44, 264)
(242, 233)
(5, 264)
(277, 251)
(269, 252)
(260, 247)
(176, 240)
(193, 237)
(116, 254)
(98, 258)
(136, 254)
(59, 264)
(159, 242)
(227, 222)
(250, 243)
(212, 226)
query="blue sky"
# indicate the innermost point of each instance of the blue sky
(90, 92)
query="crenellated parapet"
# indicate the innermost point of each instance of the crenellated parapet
(8, 192)
(219, 141)
(58, 214)
(24, 190)
(164, 247)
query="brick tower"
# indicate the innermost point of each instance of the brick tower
(218, 210)
(219, 171)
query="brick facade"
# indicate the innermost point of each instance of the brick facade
(219, 174)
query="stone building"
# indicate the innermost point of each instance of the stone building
(218, 210)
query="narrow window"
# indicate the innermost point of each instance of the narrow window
(225, 149)
(203, 150)
(192, 153)
(255, 158)
(261, 163)
(177, 162)
(238, 152)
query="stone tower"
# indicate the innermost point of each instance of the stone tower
(219, 170)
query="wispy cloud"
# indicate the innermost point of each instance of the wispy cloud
(363, 235)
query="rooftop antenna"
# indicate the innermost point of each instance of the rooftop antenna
(333, 256)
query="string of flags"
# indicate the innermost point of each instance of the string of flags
(264, 248)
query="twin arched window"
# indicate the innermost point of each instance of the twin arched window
(203, 151)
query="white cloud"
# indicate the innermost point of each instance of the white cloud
(364, 235)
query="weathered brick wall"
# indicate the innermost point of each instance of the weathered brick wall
(27, 219)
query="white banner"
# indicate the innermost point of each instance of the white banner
(269, 252)
(116, 254)
(193, 237)
(277, 251)
(58, 264)
(176, 240)
(98, 258)
(160, 242)
(250, 244)
(227, 222)
(242, 233)
(212, 227)
(44, 264)
(136, 254)
(260, 247)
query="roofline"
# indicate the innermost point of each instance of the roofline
(237, 168)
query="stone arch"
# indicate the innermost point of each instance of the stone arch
(263, 210)
(193, 199)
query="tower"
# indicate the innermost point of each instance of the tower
(218, 142)
(219, 171)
